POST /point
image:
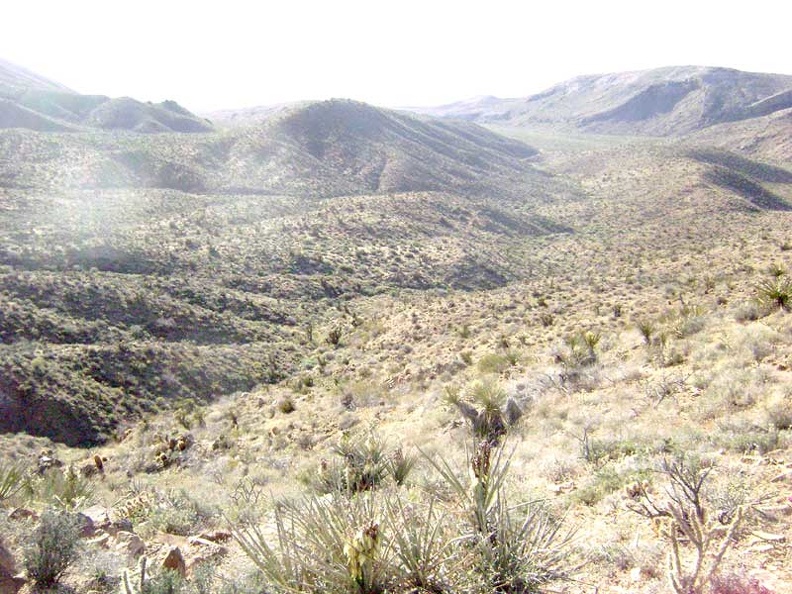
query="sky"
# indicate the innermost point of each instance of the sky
(210, 55)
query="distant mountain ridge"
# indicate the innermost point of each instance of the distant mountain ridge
(660, 102)
(30, 101)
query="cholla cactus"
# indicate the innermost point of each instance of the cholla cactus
(128, 588)
(361, 551)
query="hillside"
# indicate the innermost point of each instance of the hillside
(28, 101)
(337, 348)
(662, 102)
(210, 254)
(16, 77)
(321, 149)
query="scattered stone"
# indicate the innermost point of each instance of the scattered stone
(99, 515)
(7, 563)
(9, 584)
(122, 525)
(216, 536)
(768, 537)
(101, 540)
(22, 513)
(129, 543)
(174, 560)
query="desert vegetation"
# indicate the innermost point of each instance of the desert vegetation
(349, 350)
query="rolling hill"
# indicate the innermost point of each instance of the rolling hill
(204, 257)
(278, 316)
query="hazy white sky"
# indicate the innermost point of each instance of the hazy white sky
(210, 55)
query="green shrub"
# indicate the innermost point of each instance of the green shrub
(493, 363)
(53, 546)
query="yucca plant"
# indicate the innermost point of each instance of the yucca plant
(334, 544)
(776, 292)
(422, 546)
(524, 549)
(10, 481)
(513, 549)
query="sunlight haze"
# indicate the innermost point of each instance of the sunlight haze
(235, 54)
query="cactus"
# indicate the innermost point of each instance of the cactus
(128, 589)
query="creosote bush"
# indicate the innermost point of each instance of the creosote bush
(53, 546)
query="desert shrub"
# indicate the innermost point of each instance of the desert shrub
(698, 538)
(180, 514)
(647, 329)
(323, 545)
(53, 547)
(492, 411)
(493, 363)
(514, 548)
(286, 405)
(470, 539)
(779, 416)
(736, 584)
(334, 336)
(604, 482)
(166, 582)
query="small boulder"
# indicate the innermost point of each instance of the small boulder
(99, 515)
(216, 536)
(21, 513)
(9, 584)
(7, 563)
(174, 561)
(129, 543)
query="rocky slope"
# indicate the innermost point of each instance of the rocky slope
(661, 102)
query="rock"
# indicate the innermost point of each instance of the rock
(635, 575)
(8, 583)
(768, 537)
(202, 551)
(174, 560)
(216, 536)
(22, 513)
(129, 543)
(86, 525)
(122, 525)
(46, 461)
(11, 584)
(783, 477)
(7, 563)
(101, 540)
(100, 516)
